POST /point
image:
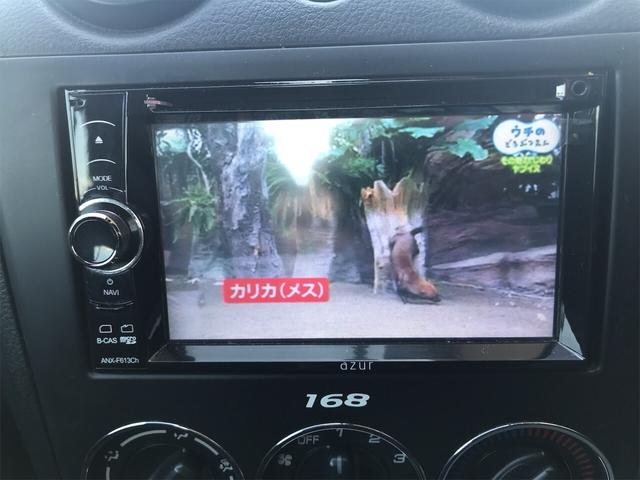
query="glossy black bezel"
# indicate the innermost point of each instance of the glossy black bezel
(581, 255)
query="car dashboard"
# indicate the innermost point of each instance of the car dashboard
(319, 239)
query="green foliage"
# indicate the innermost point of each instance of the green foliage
(349, 167)
(196, 207)
(352, 137)
(475, 124)
(365, 150)
(284, 192)
(464, 146)
(467, 145)
(348, 173)
(187, 181)
(418, 132)
(171, 142)
(358, 167)
(278, 178)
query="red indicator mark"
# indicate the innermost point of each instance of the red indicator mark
(275, 290)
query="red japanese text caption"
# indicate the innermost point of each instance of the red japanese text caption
(275, 290)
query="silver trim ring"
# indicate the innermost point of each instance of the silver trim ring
(133, 217)
(331, 426)
(86, 217)
(86, 464)
(517, 425)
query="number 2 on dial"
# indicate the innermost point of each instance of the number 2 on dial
(335, 400)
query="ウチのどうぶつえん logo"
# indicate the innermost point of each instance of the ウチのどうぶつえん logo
(526, 146)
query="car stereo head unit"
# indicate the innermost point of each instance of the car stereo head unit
(340, 224)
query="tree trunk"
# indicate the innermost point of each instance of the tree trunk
(246, 218)
(352, 251)
(387, 212)
(180, 250)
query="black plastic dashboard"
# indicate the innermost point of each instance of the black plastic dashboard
(62, 407)
(37, 27)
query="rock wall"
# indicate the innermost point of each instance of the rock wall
(528, 271)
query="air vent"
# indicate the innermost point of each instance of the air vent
(127, 15)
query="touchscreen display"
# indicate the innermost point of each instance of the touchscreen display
(361, 228)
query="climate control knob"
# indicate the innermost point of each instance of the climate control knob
(541, 451)
(107, 235)
(159, 451)
(339, 451)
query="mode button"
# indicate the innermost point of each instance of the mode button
(110, 290)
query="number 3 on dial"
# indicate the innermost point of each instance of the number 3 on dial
(335, 400)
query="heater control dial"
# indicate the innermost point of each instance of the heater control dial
(158, 450)
(528, 451)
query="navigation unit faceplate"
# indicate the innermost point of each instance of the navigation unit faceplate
(313, 223)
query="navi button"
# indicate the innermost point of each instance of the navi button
(110, 290)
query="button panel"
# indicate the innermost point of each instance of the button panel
(106, 236)
(98, 134)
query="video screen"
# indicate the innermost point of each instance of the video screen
(361, 228)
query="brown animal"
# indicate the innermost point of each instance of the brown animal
(410, 284)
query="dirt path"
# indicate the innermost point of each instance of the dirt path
(197, 312)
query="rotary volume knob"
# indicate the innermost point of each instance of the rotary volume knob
(107, 235)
